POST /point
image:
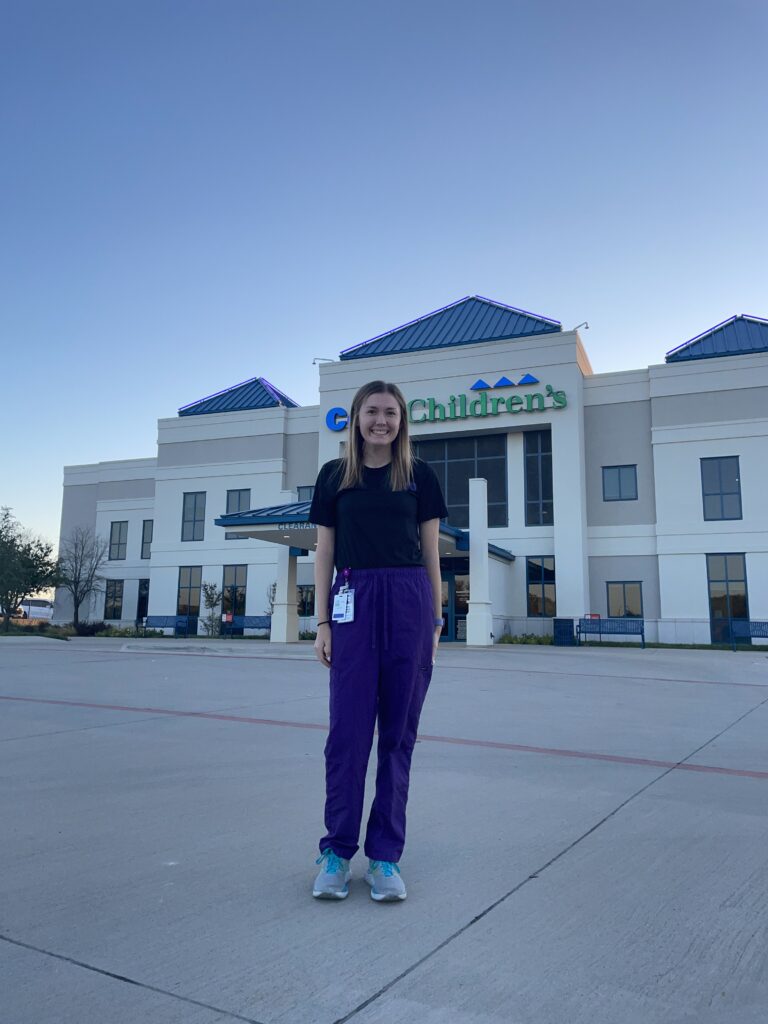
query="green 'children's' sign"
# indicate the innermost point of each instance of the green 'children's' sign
(461, 407)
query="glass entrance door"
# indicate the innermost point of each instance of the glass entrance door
(142, 604)
(233, 598)
(727, 577)
(455, 599)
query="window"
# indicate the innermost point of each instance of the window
(539, 508)
(728, 599)
(188, 602)
(540, 578)
(237, 501)
(306, 600)
(118, 538)
(305, 493)
(142, 605)
(193, 516)
(625, 600)
(233, 589)
(456, 461)
(721, 488)
(147, 530)
(113, 599)
(619, 483)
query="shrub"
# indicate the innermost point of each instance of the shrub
(120, 631)
(89, 628)
(127, 631)
(525, 638)
(307, 634)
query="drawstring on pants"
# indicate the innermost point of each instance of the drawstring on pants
(380, 610)
(374, 609)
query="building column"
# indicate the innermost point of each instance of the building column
(285, 617)
(479, 617)
(570, 510)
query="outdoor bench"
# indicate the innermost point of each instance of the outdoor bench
(246, 622)
(174, 622)
(611, 627)
(748, 629)
(180, 623)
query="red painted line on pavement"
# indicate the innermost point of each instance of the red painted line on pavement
(175, 712)
(584, 755)
(588, 755)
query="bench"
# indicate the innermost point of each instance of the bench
(747, 629)
(175, 622)
(180, 623)
(611, 627)
(246, 622)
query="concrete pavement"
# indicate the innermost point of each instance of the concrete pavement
(587, 837)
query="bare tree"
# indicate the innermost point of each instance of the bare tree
(81, 558)
(27, 565)
(212, 596)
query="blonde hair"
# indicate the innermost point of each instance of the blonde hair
(401, 471)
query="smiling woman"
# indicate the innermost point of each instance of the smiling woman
(378, 512)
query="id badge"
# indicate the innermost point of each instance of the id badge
(344, 606)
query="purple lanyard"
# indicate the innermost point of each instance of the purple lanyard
(345, 575)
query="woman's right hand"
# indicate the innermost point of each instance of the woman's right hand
(323, 644)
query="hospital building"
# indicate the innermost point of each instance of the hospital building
(640, 493)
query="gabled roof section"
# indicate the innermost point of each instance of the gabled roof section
(256, 393)
(467, 322)
(735, 337)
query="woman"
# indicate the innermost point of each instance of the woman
(377, 512)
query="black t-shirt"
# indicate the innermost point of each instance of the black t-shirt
(376, 527)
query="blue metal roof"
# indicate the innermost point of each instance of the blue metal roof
(256, 393)
(298, 512)
(735, 337)
(461, 538)
(470, 320)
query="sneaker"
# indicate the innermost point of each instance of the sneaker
(383, 876)
(332, 883)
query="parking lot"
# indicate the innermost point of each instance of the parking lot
(587, 840)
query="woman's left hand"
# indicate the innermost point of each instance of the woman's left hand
(436, 641)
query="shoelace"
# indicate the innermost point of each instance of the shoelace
(334, 863)
(388, 867)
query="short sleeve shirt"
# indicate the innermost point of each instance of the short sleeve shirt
(376, 527)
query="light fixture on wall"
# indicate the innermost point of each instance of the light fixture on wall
(321, 359)
(585, 325)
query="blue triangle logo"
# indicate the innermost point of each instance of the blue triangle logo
(479, 385)
(528, 379)
(504, 382)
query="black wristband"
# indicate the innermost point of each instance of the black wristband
(325, 622)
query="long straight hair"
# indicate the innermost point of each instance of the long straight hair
(401, 470)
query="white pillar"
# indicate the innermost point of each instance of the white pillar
(570, 504)
(285, 617)
(479, 618)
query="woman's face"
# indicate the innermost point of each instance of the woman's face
(379, 419)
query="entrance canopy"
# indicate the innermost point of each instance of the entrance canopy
(289, 525)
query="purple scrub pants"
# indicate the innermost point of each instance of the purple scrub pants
(381, 666)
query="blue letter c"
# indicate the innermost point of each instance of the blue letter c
(337, 419)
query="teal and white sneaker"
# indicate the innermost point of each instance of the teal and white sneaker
(332, 883)
(383, 876)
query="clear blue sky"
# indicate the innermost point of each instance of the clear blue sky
(194, 193)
